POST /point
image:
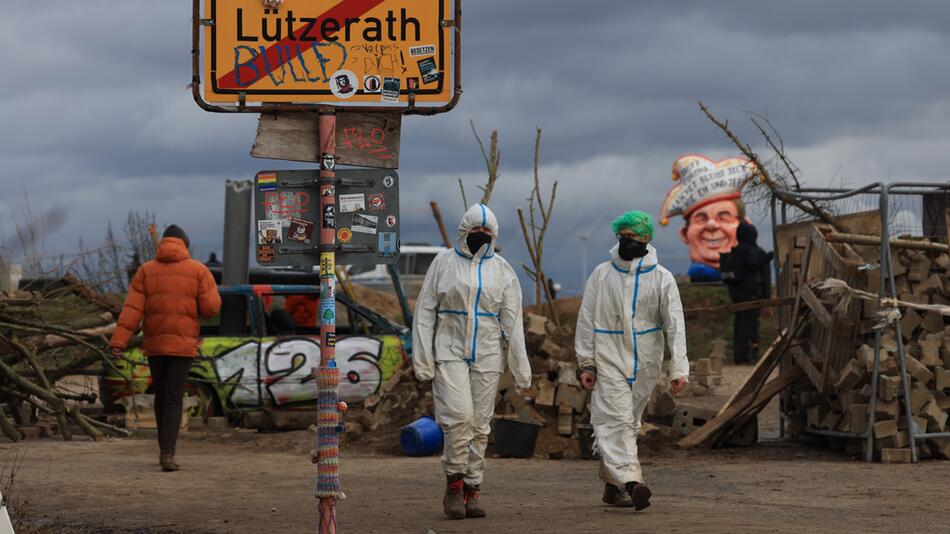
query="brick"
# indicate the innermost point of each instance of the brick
(933, 322)
(919, 268)
(940, 447)
(572, 396)
(567, 374)
(936, 418)
(930, 352)
(850, 398)
(919, 422)
(885, 428)
(552, 350)
(546, 393)
(715, 365)
(909, 323)
(889, 342)
(710, 381)
(888, 388)
(850, 377)
(198, 423)
(565, 420)
(942, 378)
(943, 401)
(918, 370)
(932, 284)
(718, 349)
(811, 398)
(535, 325)
(895, 456)
(30, 432)
(942, 262)
(886, 409)
(919, 397)
(218, 423)
(865, 356)
(858, 418)
(901, 440)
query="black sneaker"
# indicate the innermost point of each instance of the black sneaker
(640, 495)
(614, 497)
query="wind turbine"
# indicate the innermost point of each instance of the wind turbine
(585, 237)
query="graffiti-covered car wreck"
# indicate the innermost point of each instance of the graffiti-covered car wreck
(267, 364)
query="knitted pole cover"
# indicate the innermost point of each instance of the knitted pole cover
(328, 432)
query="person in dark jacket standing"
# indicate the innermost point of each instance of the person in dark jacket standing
(748, 279)
(168, 297)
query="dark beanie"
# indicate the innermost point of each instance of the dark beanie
(174, 230)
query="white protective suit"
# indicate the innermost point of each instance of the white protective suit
(468, 300)
(627, 310)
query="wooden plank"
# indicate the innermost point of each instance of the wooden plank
(362, 139)
(706, 435)
(806, 365)
(761, 371)
(829, 253)
(816, 307)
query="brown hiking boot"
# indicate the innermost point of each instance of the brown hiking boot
(454, 502)
(615, 497)
(472, 509)
(640, 495)
(168, 462)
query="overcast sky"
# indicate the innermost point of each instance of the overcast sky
(98, 121)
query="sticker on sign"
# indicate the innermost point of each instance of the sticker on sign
(424, 50)
(318, 51)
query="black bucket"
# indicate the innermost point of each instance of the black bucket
(516, 438)
(585, 441)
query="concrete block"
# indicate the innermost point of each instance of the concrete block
(747, 436)
(715, 365)
(709, 381)
(217, 423)
(918, 370)
(936, 418)
(689, 417)
(717, 349)
(942, 378)
(574, 397)
(546, 393)
(895, 456)
(858, 418)
(885, 428)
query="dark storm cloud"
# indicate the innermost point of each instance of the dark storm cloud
(102, 122)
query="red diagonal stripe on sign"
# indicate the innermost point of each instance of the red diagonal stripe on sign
(272, 59)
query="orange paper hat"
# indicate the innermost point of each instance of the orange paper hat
(700, 181)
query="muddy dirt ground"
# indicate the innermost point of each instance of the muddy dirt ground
(243, 481)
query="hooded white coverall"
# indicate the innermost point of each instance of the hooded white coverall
(467, 301)
(628, 308)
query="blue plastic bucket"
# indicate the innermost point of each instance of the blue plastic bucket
(422, 437)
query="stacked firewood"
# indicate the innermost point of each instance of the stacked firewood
(45, 336)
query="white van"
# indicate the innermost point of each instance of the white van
(414, 261)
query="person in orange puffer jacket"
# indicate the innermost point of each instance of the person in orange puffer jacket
(168, 297)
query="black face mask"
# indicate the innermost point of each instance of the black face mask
(475, 240)
(631, 248)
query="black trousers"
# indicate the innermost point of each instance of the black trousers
(745, 335)
(169, 375)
